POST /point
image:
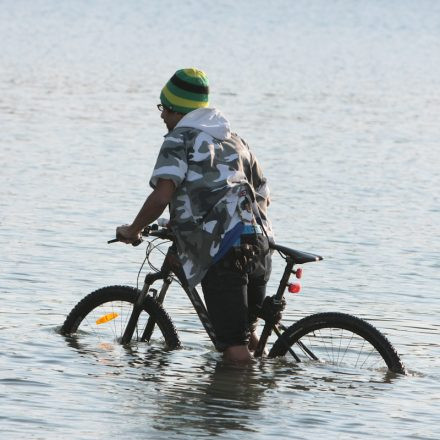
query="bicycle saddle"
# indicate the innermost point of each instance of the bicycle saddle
(297, 256)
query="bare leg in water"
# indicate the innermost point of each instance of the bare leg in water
(242, 353)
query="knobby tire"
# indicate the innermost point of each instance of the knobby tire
(339, 339)
(115, 299)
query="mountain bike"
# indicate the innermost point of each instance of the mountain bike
(125, 314)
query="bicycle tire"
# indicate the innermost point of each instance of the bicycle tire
(114, 304)
(318, 333)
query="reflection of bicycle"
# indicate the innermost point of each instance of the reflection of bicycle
(127, 314)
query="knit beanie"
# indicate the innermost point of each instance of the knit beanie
(187, 90)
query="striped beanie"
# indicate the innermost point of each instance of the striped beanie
(187, 90)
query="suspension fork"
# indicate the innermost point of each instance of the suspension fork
(277, 300)
(148, 331)
(138, 306)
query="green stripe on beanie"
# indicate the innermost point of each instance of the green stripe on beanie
(187, 90)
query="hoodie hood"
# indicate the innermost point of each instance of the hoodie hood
(208, 120)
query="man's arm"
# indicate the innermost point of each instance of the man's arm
(153, 207)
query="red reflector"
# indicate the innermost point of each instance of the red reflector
(294, 287)
(298, 272)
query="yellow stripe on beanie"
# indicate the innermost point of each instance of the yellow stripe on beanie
(176, 101)
(195, 73)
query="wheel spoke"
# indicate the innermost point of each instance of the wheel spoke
(348, 345)
(339, 347)
(112, 329)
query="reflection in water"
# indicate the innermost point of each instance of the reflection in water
(153, 357)
(225, 398)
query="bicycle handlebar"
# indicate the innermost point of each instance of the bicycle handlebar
(152, 230)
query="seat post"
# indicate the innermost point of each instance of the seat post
(285, 278)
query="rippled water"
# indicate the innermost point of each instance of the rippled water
(340, 101)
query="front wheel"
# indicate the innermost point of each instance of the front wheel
(101, 317)
(340, 340)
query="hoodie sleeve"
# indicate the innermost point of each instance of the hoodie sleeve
(255, 176)
(172, 161)
(259, 182)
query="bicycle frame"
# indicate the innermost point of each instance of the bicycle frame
(172, 266)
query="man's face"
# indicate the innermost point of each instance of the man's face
(170, 118)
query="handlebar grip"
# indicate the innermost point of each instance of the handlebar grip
(135, 243)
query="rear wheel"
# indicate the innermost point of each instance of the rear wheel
(340, 340)
(101, 317)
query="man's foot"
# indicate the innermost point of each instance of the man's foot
(238, 353)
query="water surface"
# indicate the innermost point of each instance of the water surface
(339, 100)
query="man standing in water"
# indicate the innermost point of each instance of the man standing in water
(217, 199)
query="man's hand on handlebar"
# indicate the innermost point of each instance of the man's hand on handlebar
(126, 234)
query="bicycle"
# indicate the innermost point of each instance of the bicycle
(128, 314)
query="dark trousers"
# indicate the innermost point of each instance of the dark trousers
(235, 287)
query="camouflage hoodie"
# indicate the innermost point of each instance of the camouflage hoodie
(219, 183)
